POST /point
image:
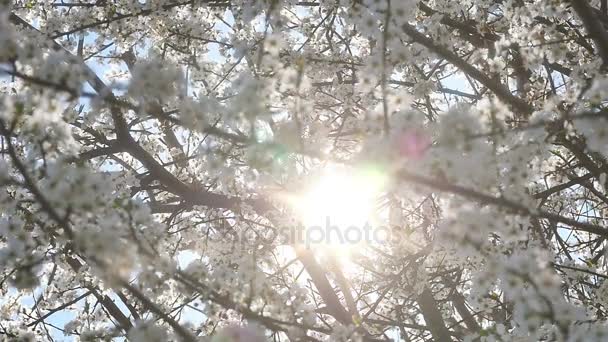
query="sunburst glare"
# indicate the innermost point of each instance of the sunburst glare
(338, 207)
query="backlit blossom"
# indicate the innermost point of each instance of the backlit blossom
(165, 166)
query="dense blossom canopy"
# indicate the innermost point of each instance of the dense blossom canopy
(152, 149)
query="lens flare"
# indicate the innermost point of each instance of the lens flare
(339, 205)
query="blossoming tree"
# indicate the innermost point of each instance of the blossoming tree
(152, 149)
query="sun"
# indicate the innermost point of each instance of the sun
(338, 205)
